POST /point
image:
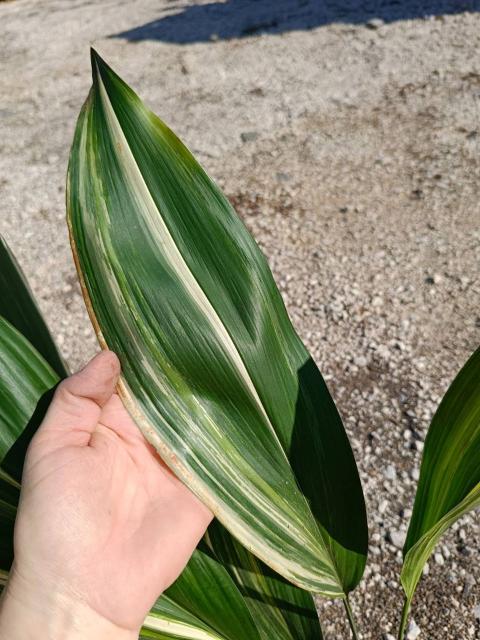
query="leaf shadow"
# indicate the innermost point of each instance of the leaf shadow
(324, 465)
(14, 459)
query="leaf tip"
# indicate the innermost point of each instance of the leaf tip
(99, 66)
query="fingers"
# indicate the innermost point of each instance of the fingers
(78, 401)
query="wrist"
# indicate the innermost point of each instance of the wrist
(28, 611)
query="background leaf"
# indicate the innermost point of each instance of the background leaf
(206, 590)
(18, 306)
(449, 483)
(169, 620)
(280, 609)
(26, 382)
(25, 378)
(213, 371)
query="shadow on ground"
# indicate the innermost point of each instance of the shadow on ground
(183, 24)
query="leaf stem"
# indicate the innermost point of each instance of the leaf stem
(351, 619)
(403, 621)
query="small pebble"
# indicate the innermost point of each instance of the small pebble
(413, 631)
(248, 136)
(397, 538)
(415, 474)
(375, 23)
(390, 472)
(383, 506)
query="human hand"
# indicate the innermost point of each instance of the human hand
(103, 526)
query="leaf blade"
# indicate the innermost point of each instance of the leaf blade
(25, 377)
(449, 484)
(18, 306)
(190, 608)
(279, 609)
(222, 336)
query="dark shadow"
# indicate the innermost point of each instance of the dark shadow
(276, 602)
(293, 604)
(325, 468)
(183, 24)
(12, 463)
(223, 540)
(9, 497)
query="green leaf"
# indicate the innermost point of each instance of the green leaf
(225, 592)
(26, 381)
(213, 371)
(167, 619)
(25, 378)
(449, 483)
(206, 590)
(18, 306)
(280, 610)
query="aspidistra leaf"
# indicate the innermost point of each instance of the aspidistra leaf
(212, 369)
(280, 609)
(18, 306)
(167, 619)
(25, 378)
(206, 590)
(449, 484)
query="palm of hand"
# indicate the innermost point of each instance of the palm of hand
(112, 524)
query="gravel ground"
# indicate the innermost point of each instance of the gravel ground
(348, 140)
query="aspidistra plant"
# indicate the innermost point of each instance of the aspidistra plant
(213, 372)
(217, 379)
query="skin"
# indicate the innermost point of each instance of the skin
(103, 527)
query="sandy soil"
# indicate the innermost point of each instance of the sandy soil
(348, 138)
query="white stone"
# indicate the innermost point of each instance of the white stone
(397, 538)
(383, 506)
(390, 472)
(413, 631)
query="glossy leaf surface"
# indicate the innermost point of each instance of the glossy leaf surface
(18, 306)
(279, 609)
(449, 484)
(213, 371)
(25, 378)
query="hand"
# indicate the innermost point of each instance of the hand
(103, 526)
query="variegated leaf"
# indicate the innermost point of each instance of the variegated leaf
(449, 484)
(18, 306)
(213, 371)
(26, 380)
(280, 609)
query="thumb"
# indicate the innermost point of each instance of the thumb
(77, 403)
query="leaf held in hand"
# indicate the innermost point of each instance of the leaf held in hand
(212, 369)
